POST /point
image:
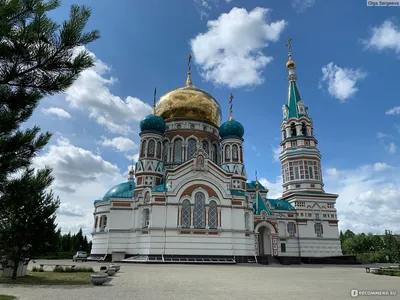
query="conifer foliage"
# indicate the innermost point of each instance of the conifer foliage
(38, 58)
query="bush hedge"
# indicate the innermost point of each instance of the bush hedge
(73, 270)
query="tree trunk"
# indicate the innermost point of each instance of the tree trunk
(15, 269)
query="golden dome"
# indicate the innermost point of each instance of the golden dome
(189, 102)
(290, 64)
(131, 171)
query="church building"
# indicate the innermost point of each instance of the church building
(189, 199)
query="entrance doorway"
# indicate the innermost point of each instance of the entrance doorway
(264, 241)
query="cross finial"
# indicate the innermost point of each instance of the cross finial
(289, 46)
(189, 60)
(154, 101)
(230, 108)
(256, 181)
(189, 80)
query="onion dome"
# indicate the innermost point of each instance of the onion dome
(189, 102)
(290, 64)
(231, 128)
(152, 123)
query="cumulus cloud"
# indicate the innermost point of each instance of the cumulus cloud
(121, 144)
(56, 112)
(275, 188)
(276, 152)
(91, 91)
(302, 5)
(369, 198)
(74, 166)
(134, 157)
(391, 148)
(230, 51)
(70, 210)
(340, 82)
(385, 37)
(80, 178)
(393, 111)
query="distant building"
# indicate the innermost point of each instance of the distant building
(192, 199)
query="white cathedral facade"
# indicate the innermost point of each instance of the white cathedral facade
(189, 197)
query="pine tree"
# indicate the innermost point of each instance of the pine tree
(38, 58)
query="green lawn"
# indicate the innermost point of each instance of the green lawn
(7, 297)
(49, 278)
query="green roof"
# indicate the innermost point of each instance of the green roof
(122, 190)
(160, 188)
(237, 193)
(293, 99)
(259, 205)
(252, 186)
(280, 204)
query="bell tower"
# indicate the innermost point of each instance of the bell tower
(300, 157)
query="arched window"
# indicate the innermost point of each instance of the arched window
(247, 221)
(185, 214)
(303, 129)
(227, 153)
(293, 129)
(199, 203)
(147, 197)
(205, 146)
(143, 150)
(212, 215)
(178, 151)
(215, 154)
(241, 153)
(165, 151)
(235, 153)
(264, 214)
(191, 148)
(158, 150)
(150, 150)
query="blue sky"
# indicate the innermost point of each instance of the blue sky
(345, 53)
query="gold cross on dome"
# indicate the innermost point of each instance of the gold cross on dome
(289, 46)
(231, 106)
(189, 60)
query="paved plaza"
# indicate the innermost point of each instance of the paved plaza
(219, 282)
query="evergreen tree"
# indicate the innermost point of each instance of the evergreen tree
(38, 57)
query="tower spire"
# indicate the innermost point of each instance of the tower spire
(189, 80)
(131, 173)
(230, 108)
(154, 101)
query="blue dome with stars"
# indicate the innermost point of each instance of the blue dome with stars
(152, 123)
(231, 128)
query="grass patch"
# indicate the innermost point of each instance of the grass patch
(7, 297)
(50, 278)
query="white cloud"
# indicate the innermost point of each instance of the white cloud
(391, 148)
(121, 144)
(134, 157)
(369, 197)
(381, 135)
(74, 166)
(384, 37)
(80, 178)
(204, 7)
(341, 82)
(91, 91)
(70, 210)
(393, 111)
(276, 152)
(56, 111)
(302, 5)
(275, 188)
(381, 166)
(230, 51)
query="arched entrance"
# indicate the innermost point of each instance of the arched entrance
(264, 241)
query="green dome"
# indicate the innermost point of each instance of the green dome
(231, 128)
(152, 123)
(122, 190)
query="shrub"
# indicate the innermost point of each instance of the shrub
(73, 270)
(37, 269)
(389, 272)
